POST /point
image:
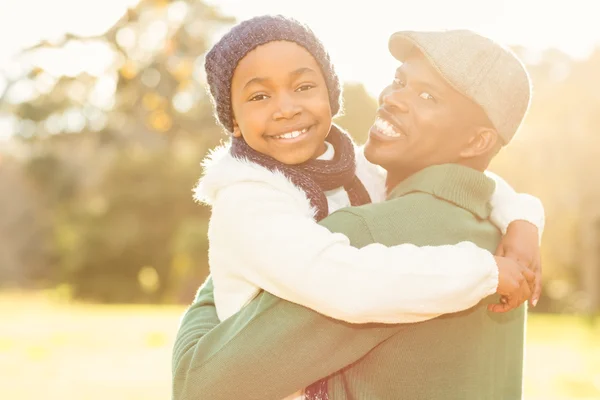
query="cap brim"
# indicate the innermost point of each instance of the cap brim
(401, 44)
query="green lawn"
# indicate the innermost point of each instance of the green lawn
(54, 351)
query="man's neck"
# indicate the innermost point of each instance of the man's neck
(395, 177)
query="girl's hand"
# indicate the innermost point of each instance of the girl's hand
(521, 244)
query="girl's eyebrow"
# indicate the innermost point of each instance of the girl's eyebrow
(255, 80)
(294, 74)
(302, 70)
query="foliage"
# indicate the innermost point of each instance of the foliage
(96, 191)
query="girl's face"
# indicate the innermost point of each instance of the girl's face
(280, 102)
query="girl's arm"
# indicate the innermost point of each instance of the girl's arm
(521, 219)
(265, 236)
(509, 206)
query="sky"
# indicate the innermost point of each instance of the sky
(355, 32)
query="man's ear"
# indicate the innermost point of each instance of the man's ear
(236, 129)
(482, 142)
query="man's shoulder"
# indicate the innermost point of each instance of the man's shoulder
(413, 206)
(393, 221)
(403, 207)
(400, 206)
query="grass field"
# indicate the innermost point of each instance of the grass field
(53, 351)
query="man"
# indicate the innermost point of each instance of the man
(457, 98)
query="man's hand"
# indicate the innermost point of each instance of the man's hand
(521, 244)
(515, 283)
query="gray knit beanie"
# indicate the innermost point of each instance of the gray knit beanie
(225, 55)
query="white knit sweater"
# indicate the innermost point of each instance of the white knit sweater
(262, 235)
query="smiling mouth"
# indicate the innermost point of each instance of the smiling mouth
(386, 128)
(291, 135)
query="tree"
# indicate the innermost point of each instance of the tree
(555, 157)
(114, 155)
(358, 111)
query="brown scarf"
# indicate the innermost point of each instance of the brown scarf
(315, 177)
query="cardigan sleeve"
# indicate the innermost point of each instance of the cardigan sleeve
(508, 206)
(261, 235)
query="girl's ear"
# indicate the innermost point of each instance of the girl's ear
(236, 129)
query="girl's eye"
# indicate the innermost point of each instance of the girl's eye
(426, 96)
(304, 88)
(258, 97)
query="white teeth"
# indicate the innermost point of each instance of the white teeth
(291, 135)
(386, 128)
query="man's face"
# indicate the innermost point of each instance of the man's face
(421, 121)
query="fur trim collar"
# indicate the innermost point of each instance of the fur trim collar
(221, 169)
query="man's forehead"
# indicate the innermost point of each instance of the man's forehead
(419, 68)
(417, 58)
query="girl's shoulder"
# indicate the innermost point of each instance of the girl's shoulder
(220, 170)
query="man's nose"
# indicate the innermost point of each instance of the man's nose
(287, 108)
(396, 98)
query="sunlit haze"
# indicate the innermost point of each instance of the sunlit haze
(106, 128)
(360, 54)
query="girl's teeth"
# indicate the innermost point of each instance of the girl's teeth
(386, 128)
(291, 135)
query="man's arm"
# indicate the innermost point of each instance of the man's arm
(268, 350)
(199, 319)
(271, 349)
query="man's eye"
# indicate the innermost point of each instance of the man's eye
(258, 97)
(304, 88)
(426, 96)
(398, 82)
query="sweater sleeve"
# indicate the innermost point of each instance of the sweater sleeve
(199, 319)
(509, 206)
(280, 249)
(268, 350)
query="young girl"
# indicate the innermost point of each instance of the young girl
(286, 167)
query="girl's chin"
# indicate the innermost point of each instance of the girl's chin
(294, 156)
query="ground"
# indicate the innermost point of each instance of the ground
(63, 351)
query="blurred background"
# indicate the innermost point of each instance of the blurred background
(104, 120)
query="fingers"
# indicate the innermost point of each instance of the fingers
(499, 308)
(500, 250)
(533, 275)
(510, 303)
(529, 276)
(525, 293)
(527, 269)
(537, 290)
(507, 303)
(520, 296)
